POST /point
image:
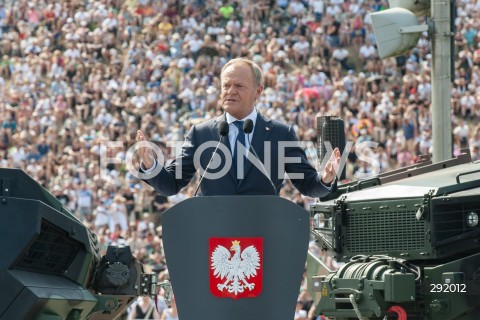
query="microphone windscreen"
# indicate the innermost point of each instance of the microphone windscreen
(248, 126)
(223, 128)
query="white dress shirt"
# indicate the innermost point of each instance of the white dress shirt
(233, 130)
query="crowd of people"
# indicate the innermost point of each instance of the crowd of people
(77, 75)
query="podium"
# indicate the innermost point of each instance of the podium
(201, 238)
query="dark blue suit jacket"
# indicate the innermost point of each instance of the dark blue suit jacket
(254, 182)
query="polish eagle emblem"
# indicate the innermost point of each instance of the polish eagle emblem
(235, 272)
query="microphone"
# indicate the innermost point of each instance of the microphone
(248, 128)
(223, 129)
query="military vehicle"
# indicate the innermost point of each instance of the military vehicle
(50, 266)
(409, 240)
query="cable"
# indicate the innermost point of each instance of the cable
(223, 129)
(416, 270)
(355, 307)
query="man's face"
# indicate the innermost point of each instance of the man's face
(239, 90)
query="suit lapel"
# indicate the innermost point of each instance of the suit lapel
(263, 128)
(214, 127)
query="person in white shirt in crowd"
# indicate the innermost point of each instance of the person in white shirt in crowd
(461, 132)
(367, 51)
(301, 50)
(341, 54)
(118, 214)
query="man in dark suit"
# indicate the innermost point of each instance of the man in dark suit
(275, 143)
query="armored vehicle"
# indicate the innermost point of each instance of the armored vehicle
(409, 240)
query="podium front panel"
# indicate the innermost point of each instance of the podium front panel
(191, 225)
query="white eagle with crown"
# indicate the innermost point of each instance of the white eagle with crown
(236, 269)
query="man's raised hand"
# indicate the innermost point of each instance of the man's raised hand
(146, 154)
(332, 166)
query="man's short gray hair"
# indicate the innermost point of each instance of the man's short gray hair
(257, 72)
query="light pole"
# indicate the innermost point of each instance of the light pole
(441, 80)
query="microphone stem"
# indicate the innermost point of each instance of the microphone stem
(204, 172)
(261, 164)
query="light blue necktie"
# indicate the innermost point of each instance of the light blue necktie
(240, 139)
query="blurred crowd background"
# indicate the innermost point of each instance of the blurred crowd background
(77, 74)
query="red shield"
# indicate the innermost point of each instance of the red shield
(236, 267)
